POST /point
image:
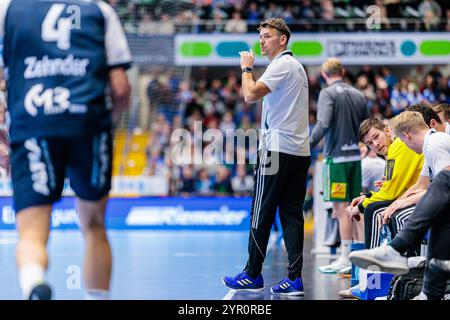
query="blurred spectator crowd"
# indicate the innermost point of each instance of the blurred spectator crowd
(241, 16)
(217, 103)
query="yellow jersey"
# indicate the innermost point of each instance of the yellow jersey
(403, 167)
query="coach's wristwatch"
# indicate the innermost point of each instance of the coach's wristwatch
(247, 69)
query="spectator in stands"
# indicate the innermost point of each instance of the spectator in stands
(222, 182)
(447, 26)
(430, 90)
(187, 22)
(399, 100)
(288, 14)
(431, 13)
(184, 94)
(444, 89)
(273, 11)
(166, 25)
(187, 182)
(253, 14)
(227, 125)
(307, 10)
(203, 183)
(217, 24)
(366, 70)
(389, 77)
(383, 13)
(236, 24)
(367, 89)
(242, 183)
(147, 25)
(326, 10)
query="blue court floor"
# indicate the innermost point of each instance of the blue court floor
(166, 265)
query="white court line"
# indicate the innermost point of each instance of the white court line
(229, 295)
(272, 241)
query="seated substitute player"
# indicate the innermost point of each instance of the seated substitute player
(413, 195)
(432, 211)
(402, 171)
(60, 63)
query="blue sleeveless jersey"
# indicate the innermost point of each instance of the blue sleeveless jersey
(57, 55)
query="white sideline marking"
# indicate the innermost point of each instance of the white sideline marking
(229, 295)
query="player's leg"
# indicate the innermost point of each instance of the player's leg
(345, 228)
(33, 226)
(397, 223)
(373, 214)
(264, 206)
(337, 185)
(358, 231)
(295, 171)
(97, 255)
(37, 168)
(90, 168)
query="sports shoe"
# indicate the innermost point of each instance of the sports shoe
(287, 287)
(384, 257)
(243, 282)
(420, 296)
(345, 272)
(41, 292)
(347, 293)
(335, 266)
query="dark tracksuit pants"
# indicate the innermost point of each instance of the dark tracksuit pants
(432, 211)
(373, 214)
(284, 189)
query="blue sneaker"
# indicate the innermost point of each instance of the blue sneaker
(243, 282)
(287, 287)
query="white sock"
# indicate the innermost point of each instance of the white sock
(96, 294)
(30, 275)
(345, 249)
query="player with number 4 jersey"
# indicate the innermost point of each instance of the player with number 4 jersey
(61, 58)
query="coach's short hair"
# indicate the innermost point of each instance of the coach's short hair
(427, 112)
(408, 121)
(277, 24)
(332, 67)
(368, 124)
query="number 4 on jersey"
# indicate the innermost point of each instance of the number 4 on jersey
(57, 29)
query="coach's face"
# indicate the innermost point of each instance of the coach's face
(270, 42)
(378, 140)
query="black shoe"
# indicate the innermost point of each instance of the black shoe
(41, 292)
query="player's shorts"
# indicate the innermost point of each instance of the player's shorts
(39, 166)
(341, 181)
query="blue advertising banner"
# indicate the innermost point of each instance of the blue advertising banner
(151, 213)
